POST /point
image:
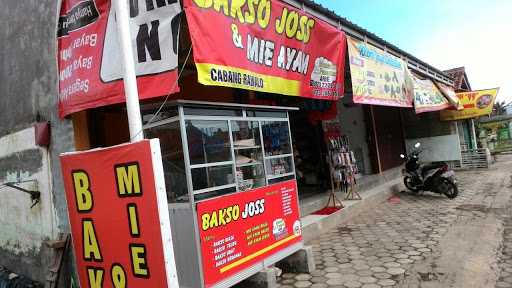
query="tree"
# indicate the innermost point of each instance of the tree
(499, 108)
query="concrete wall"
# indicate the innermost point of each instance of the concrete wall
(353, 124)
(439, 139)
(425, 125)
(24, 228)
(438, 148)
(28, 87)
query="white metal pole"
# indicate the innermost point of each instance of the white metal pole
(473, 134)
(130, 81)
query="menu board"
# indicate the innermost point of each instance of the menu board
(240, 230)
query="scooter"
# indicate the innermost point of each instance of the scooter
(434, 177)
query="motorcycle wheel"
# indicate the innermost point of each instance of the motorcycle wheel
(408, 183)
(451, 190)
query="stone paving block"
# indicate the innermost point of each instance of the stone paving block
(372, 285)
(382, 243)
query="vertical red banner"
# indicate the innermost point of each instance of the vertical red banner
(118, 216)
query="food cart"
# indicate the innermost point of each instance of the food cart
(231, 187)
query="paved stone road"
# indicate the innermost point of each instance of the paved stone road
(423, 241)
(505, 263)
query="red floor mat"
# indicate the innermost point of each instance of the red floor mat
(326, 210)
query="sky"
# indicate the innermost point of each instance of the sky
(476, 34)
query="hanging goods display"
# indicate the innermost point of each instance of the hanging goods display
(341, 160)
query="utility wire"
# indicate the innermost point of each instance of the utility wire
(168, 95)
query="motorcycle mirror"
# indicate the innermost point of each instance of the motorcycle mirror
(402, 156)
(417, 145)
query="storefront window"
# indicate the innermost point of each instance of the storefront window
(212, 112)
(278, 167)
(276, 138)
(165, 113)
(278, 151)
(213, 176)
(266, 114)
(248, 154)
(172, 160)
(228, 150)
(208, 141)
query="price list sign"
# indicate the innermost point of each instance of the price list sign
(242, 229)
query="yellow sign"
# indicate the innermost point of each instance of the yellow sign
(450, 94)
(427, 96)
(476, 103)
(378, 78)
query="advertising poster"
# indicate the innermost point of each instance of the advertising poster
(266, 46)
(242, 229)
(450, 95)
(378, 78)
(89, 60)
(118, 214)
(427, 97)
(476, 103)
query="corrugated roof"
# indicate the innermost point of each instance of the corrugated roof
(459, 78)
(345, 22)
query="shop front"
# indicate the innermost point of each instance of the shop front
(251, 124)
(231, 188)
(228, 165)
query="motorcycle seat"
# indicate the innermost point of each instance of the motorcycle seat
(431, 166)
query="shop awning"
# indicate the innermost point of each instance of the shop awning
(475, 103)
(450, 95)
(378, 77)
(427, 97)
(266, 46)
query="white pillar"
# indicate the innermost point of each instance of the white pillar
(473, 134)
(130, 81)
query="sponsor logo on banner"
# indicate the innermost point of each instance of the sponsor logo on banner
(118, 214)
(89, 56)
(239, 230)
(476, 103)
(266, 46)
(378, 77)
(427, 97)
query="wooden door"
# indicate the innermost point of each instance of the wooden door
(389, 134)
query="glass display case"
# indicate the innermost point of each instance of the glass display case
(219, 157)
(211, 149)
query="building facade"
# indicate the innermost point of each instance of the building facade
(29, 89)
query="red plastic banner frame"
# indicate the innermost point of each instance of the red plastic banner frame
(90, 68)
(117, 207)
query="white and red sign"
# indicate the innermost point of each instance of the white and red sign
(239, 230)
(89, 57)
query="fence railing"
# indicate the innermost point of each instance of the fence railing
(474, 158)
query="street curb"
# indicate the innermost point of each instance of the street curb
(315, 225)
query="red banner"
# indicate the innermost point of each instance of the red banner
(242, 229)
(89, 56)
(119, 218)
(266, 46)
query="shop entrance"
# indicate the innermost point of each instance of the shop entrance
(309, 149)
(390, 139)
